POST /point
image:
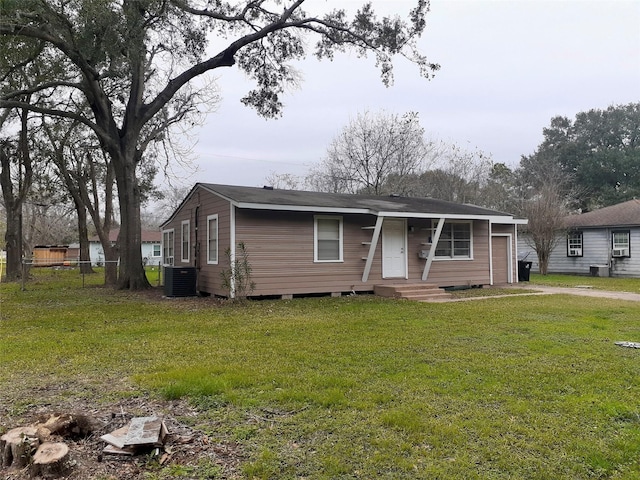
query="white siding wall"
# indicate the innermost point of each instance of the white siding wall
(96, 254)
(596, 250)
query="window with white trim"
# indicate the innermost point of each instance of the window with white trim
(328, 245)
(574, 244)
(186, 243)
(167, 247)
(157, 250)
(212, 239)
(620, 244)
(455, 240)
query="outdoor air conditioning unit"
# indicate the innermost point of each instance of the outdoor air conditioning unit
(620, 252)
(180, 281)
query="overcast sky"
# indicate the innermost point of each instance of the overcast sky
(507, 67)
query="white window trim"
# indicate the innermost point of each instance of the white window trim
(209, 218)
(184, 257)
(625, 247)
(340, 237)
(441, 258)
(153, 250)
(168, 232)
(571, 248)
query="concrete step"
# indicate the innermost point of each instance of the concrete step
(415, 292)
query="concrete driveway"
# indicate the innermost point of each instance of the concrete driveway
(582, 291)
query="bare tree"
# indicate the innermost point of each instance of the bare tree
(373, 154)
(545, 210)
(457, 174)
(286, 181)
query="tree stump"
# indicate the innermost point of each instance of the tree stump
(17, 446)
(64, 425)
(49, 460)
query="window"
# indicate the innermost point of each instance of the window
(620, 244)
(167, 247)
(185, 240)
(212, 239)
(157, 250)
(574, 244)
(455, 240)
(328, 239)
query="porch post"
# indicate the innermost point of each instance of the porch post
(372, 249)
(432, 250)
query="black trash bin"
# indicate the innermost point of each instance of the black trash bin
(524, 270)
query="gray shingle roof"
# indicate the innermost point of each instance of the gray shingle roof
(374, 204)
(623, 214)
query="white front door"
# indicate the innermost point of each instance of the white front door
(394, 248)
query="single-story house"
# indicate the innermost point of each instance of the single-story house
(151, 247)
(604, 242)
(301, 243)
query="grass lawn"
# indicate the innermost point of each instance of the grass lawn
(617, 284)
(352, 387)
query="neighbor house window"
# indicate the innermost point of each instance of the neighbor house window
(620, 244)
(212, 239)
(157, 250)
(455, 241)
(574, 244)
(328, 239)
(185, 240)
(167, 247)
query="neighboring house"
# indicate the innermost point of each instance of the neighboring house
(151, 247)
(308, 242)
(602, 242)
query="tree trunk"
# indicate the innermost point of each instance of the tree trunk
(83, 237)
(132, 275)
(13, 239)
(110, 264)
(13, 206)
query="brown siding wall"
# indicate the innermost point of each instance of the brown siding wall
(280, 246)
(204, 204)
(448, 273)
(281, 253)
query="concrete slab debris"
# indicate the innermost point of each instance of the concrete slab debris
(141, 433)
(628, 344)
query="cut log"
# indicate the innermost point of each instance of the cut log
(50, 460)
(17, 446)
(64, 425)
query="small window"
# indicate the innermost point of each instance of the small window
(186, 245)
(212, 239)
(157, 250)
(328, 239)
(574, 244)
(455, 241)
(167, 247)
(620, 244)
